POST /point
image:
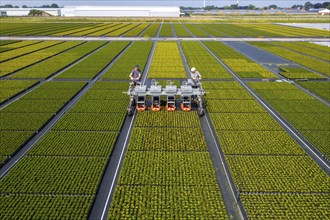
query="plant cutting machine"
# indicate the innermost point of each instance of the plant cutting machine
(189, 92)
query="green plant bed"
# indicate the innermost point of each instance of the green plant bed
(100, 106)
(239, 106)
(167, 62)
(29, 59)
(228, 94)
(258, 143)
(298, 73)
(321, 89)
(50, 94)
(35, 106)
(167, 168)
(287, 206)
(320, 139)
(62, 143)
(110, 86)
(15, 206)
(299, 58)
(57, 63)
(9, 88)
(167, 119)
(91, 122)
(278, 174)
(249, 74)
(96, 62)
(98, 94)
(23, 121)
(138, 53)
(245, 122)
(197, 56)
(167, 202)
(54, 175)
(168, 139)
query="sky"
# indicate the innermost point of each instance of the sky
(194, 3)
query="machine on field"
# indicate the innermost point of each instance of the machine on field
(189, 92)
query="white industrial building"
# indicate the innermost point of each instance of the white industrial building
(99, 11)
(121, 11)
(324, 12)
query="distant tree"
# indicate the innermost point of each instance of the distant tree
(308, 5)
(16, 6)
(189, 8)
(297, 6)
(8, 6)
(326, 4)
(251, 7)
(54, 5)
(24, 6)
(210, 7)
(272, 7)
(34, 12)
(234, 6)
(318, 5)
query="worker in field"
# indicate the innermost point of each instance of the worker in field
(135, 75)
(196, 76)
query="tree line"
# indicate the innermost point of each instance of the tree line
(306, 6)
(25, 6)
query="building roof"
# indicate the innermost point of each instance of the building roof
(325, 11)
(127, 8)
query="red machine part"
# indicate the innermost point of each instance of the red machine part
(185, 108)
(170, 108)
(141, 108)
(156, 108)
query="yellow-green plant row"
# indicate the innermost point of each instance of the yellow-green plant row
(163, 179)
(305, 50)
(25, 116)
(167, 62)
(92, 65)
(197, 56)
(6, 45)
(33, 46)
(30, 59)
(287, 206)
(305, 60)
(138, 53)
(60, 176)
(56, 63)
(303, 111)
(320, 88)
(262, 157)
(107, 30)
(241, 65)
(10, 88)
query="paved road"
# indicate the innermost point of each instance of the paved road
(257, 54)
(166, 38)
